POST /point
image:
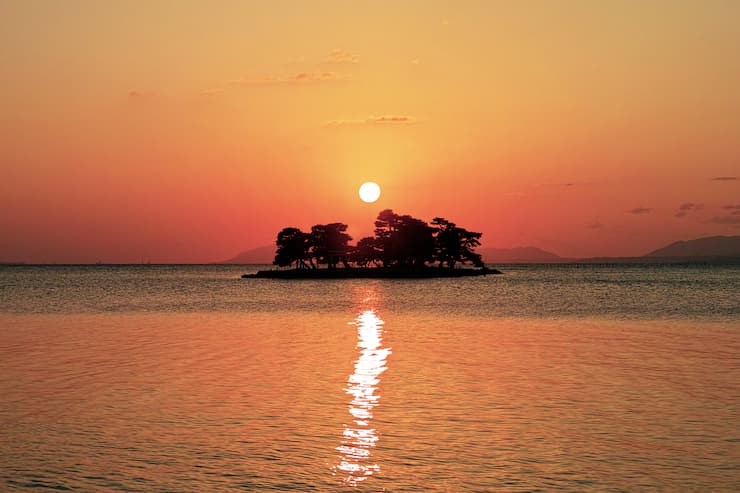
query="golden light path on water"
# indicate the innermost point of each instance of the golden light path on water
(359, 438)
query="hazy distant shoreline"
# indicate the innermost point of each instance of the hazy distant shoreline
(720, 250)
(713, 249)
(554, 261)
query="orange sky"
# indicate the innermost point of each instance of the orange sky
(183, 131)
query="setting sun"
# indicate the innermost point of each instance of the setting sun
(369, 192)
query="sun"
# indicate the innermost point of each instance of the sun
(369, 192)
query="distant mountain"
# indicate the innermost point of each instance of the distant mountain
(712, 246)
(518, 254)
(260, 255)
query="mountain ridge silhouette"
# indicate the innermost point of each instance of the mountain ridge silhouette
(708, 246)
(697, 248)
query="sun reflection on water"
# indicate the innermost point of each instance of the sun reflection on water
(360, 436)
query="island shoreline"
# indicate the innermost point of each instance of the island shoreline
(370, 273)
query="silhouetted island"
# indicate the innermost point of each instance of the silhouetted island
(403, 247)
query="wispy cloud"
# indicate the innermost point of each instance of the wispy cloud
(731, 220)
(734, 209)
(297, 78)
(640, 210)
(725, 178)
(313, 73)
(393, 119)
(374, 120)
(595, 225)
(212, 92)
(136, 94)
(565, 184)
(339, 57)
(415, 61)
(686, 207)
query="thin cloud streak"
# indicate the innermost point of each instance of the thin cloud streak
(298, 78)
(340, 57)
(732, 220)
(374, 120)
(213, 92)
(686, 207)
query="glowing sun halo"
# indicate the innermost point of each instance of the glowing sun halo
(369, 192)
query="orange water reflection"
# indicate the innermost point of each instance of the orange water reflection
(355, 461)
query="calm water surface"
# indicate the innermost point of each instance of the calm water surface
(559, 378)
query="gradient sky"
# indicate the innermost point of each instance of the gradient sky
(184, 131)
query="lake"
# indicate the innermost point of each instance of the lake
(546, 378)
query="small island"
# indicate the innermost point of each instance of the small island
(403, 247)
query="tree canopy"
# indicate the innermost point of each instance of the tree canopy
(400, 241)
